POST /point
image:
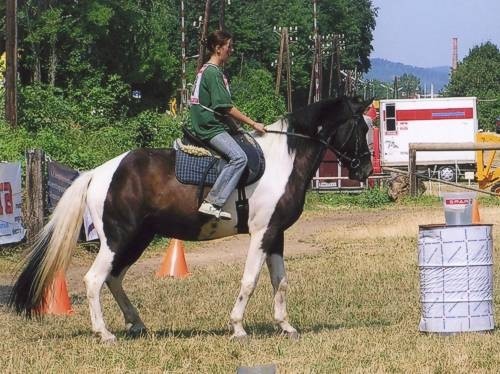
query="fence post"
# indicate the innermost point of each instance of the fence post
(35, 197)
(412, 170)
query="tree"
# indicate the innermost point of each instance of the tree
(410, 86)
(479, 75)
(73, 45)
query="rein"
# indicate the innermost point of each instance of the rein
(354, 161)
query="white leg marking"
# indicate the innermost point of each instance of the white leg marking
(255, 260)
(94, 280)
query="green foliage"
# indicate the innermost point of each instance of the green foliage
(155, 130)
(373, 198)
(253, 93)
(14, 142)
(43, 106)
(66, 44)
(368, 198)
(96, 104)
(421, 200)
(84, 129)
(409, 84)
(100, 101)
(479, 75)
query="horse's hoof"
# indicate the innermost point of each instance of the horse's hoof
(240, 338)
(108, 340)
(137, 331)
(292, 335)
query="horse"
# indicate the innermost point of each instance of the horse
(136, 196)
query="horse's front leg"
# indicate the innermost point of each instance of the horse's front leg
(276, 267)
(255, 260)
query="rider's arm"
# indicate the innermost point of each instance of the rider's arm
(237, 115)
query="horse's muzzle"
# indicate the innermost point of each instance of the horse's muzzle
(363, 171)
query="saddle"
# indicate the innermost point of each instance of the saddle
(197, 163)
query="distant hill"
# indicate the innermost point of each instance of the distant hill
(385, 70)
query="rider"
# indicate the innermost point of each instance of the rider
(210, 103)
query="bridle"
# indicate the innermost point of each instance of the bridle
(340, 153)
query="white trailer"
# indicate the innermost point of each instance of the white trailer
(436, 120)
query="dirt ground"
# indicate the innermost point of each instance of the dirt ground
(305, 237)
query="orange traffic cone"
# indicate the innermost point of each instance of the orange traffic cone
(476, 218)
(174, 261)
(56, 299)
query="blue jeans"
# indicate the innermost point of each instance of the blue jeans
(231, 173)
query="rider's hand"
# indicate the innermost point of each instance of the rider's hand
(259, 127)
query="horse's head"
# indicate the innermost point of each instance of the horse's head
(345, 131)
(339, 125)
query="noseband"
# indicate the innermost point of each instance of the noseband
(341, 155)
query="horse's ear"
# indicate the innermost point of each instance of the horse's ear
(368, 102)
(355, 104)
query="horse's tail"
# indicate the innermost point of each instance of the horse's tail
(52, 250)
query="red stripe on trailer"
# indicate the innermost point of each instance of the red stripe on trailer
(434, 114)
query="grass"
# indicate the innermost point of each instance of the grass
(355, 303)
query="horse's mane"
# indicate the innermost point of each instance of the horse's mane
(306, 120)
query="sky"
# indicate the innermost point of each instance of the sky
(420, 32)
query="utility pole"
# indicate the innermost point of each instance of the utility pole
(11, 62)
(204, 32)
(279, 65)
(288, 75)
(222, 7)
(284, 54)
(315, 86)
(330, 78)
(183, 57)
(338, 46)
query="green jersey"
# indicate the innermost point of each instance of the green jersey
(210, 94)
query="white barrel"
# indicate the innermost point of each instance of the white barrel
(456, 278)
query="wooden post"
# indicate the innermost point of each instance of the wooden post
(11, 62)
(204, 32)
(412, 170)
(35, 197)
(425, 147)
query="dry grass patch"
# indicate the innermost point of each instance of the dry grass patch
(356, 305)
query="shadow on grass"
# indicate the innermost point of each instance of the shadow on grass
(255, 331)
(267, 330)
(4, 294)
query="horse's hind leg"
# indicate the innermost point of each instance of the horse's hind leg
(279, 281)
(126, 255)
(133, 323)
(255, 260)
(94, 279)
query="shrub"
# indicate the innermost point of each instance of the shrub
(42, 106)
(100, 101)
(152, 129)
(253, 94)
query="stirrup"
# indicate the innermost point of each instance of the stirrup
(211, 210)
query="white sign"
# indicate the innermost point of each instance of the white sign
(11, 228)
(90, 232)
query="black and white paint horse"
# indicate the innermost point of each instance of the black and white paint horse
(136, 195)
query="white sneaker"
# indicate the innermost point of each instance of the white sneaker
(211, 210)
